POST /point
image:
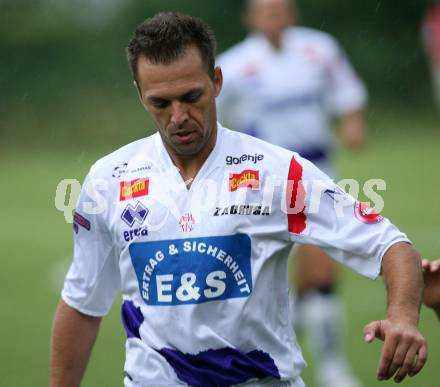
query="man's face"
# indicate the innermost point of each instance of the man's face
(181, 100)
(270, 17)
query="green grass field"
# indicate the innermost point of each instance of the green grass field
(36, 246)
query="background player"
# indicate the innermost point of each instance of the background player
(431, 42)
(283, 84)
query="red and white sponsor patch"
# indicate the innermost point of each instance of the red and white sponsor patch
(366, 214)
(134, 188)
(246, 179)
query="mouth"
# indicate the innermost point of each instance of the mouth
(184, 136)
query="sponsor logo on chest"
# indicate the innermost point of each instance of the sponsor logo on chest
(232, 160)
(135, 216)
(133, 189)
(246, 179)
(193, 271)
(243, 209)
(123, 168)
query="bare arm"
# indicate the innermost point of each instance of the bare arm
(404, 351)
(431, 275)
(352, 130)
(73, 337)
(402, 271)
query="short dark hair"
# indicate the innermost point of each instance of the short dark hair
(164, 38)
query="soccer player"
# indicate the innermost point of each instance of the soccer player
(283, 84)
(431, 43)
(431, 275)
(194, 223)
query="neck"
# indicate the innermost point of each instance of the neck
(190, 165)
(275, 42)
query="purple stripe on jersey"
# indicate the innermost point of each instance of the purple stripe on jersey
(292, 101)
(221, 367)
(314, 155)
(132, 319)
(250, 129)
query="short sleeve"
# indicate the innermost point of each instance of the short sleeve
(93, 278)
(346, 92)
(324, 215)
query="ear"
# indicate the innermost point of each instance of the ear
(218, 80)
(136, 86)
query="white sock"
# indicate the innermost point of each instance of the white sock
(321, 317)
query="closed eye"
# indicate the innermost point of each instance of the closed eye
(159, 103)
(192, 96)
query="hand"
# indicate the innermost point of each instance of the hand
(431, 275)
(404, 351)
(352, 130)
(353, 138)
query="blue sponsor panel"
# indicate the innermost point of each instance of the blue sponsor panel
(193, 270)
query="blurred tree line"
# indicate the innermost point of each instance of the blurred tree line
(63, 72)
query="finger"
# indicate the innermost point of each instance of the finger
(425, 264)
(386, 357)
(407, 363)
(422, 355)
(400, 357)
(371, 331)
(435, 266)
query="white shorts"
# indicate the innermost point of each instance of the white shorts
(271, 382)
(267, 382)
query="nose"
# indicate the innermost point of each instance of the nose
(179, 113)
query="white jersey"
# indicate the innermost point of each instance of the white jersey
(203, 270)
(287, 96)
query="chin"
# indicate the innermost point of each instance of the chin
(187, 150)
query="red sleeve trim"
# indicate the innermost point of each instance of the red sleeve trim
(296, 217)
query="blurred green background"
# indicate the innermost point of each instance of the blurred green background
(66, 99)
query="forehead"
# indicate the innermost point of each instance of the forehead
(268, 4)
(168, 80)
